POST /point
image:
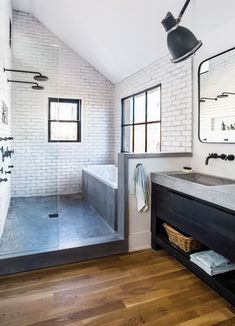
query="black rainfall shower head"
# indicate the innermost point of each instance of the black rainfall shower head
(38, 76)
(222, 95)
(41, 78)
(37, 87)
(225, 94)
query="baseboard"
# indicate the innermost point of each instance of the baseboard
(139, 241)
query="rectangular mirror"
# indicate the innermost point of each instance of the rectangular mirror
(216, 77)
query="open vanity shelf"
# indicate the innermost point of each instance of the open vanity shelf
(173, 207)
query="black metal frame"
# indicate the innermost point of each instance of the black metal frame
(199, 96)
(146, 123)
(78, 121)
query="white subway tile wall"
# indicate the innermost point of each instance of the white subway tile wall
(176, 81)
(5, 95)
(43, 168)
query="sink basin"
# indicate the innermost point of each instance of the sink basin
(203, 179)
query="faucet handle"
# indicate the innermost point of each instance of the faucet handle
(230, 157)
(223, 157)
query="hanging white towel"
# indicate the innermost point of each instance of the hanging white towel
(139, 188)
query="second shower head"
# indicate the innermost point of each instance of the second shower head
(34, 86)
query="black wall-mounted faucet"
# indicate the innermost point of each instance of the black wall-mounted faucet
(225, 157)
(215, 156)
(3, 180)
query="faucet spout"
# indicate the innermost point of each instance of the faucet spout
(215, 156)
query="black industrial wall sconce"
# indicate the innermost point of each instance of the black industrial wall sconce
(181, 42)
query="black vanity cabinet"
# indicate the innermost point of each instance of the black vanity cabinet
(213, 226)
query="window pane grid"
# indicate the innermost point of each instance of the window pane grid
(64, 120)
(144, 138)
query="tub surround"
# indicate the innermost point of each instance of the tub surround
(221, 195)
(99, 188)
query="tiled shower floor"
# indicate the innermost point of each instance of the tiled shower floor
(28, 226)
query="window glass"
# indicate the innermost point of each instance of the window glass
(153, 137)
(128, 111)
(154, 103)
(64, 131)
(127, 138)
(139, 135)
(139, 108)
(63, 111)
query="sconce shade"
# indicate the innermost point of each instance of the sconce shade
(181, 41)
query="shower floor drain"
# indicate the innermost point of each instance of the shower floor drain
(53, 215)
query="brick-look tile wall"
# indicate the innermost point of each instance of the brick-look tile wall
(5, 95)
(43, 168)
(176, 81)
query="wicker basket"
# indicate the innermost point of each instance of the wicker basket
(184, 242)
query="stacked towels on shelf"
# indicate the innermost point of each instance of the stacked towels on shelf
(211, 262)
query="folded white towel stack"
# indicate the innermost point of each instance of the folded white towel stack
(211, 262)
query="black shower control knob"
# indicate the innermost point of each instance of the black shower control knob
(231, 157)
(10, 166)
(3, 180)
(8, 172)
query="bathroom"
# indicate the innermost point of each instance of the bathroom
(84, 104)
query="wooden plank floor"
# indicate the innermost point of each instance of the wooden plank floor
(145, 287)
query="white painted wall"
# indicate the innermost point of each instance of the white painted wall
(218, 40)
(5, 95)
(43, 168)
(176, 108)
(139, 223)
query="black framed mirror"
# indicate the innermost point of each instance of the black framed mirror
(216, 98)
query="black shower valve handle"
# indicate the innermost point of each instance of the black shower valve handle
(10, 166)
(6, 138)
(7, 172)
(223, 157)
(230, 157)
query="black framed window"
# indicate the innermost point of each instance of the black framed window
(141, 122)
(64, 120)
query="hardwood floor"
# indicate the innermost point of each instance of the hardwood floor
(145, 287)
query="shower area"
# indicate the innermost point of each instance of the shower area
(58, 183)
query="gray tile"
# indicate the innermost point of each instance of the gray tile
(28, 226)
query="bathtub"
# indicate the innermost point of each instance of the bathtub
(99, 188)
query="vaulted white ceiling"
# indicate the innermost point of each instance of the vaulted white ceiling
(120, 37)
